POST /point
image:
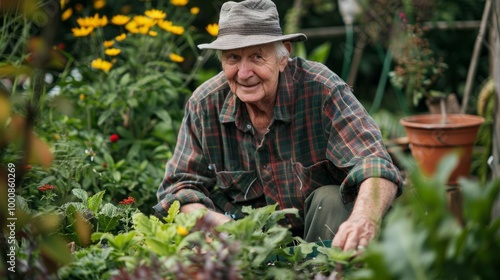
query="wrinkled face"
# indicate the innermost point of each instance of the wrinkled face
(253, 72)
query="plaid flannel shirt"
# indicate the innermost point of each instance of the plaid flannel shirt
(320, 135)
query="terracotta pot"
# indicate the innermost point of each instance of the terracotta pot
(430, 140)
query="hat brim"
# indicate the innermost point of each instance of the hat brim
(235, 41)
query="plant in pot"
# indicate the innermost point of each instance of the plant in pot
(442, 131)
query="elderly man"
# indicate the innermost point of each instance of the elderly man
(270, 129)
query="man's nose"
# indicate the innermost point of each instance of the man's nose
(245, 70)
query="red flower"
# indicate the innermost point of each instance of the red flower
(114, 137)
(61, 46)
(46, 187)
(127, 201)
(27, 167)
(105, 165)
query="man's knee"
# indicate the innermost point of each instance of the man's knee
(324, 213)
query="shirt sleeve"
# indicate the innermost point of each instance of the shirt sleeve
(188, 178)
(355, 143)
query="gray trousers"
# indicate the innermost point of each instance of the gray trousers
(324, 212)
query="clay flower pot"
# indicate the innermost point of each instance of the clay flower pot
(431, 139)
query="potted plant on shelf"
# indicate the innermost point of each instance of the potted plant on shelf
(442, 131)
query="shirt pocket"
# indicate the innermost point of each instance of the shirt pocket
(239, 186)
(314, 176)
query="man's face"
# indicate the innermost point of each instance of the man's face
(253, 72)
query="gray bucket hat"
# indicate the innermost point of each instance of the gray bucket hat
(249, 23)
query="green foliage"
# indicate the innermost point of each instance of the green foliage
(255, 246)
(422, 239)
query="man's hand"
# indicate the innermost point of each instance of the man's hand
(374, 199)
(355, 233)
(212, 218)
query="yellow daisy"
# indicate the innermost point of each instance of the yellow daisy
(101, 64)
(121, 37)
(112, 51)
(194, 10)
(120, 19)
(176, 58)
(82, 31)
(155, 14)
(213, 29)
(179, 3)
(109, 44)
(67, 14)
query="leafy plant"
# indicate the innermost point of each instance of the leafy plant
(417, 69)
(422, 239)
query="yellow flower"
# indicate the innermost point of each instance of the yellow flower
(155, 14)
(121, 37)
(94, 21)
(101, 64)
(179, 3)
(56, 136)
(102, 21)
(82, 96)
(132, 27)
(99, 4)
(86, 21)
(109, 44)
(176, 58)
(82, 31)
(213, 29)
(67, 14)
(195, 10)
(165, 24)
(144, 20)
(182, 231)
(144, 29)
(176, 29)
(112, 52)
(120, 19)
(153, 33)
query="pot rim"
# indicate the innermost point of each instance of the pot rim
(431, 121)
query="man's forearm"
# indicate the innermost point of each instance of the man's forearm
(374, 198)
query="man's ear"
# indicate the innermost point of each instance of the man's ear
(284, 61)
(288, 46)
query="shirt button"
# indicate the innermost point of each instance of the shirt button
(264, 166)
(249, 126)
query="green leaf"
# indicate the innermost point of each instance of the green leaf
(46, 180)
(134, 151)
(81, 194)
(110, 210)
(125, 80)
(159, 247)
(109, 160)
(172, 212)
(104, 117)
(117, 176)
(164, 116)
(143, 224)
(121, 241)
(94, 202)
(106, 223)
(321, 52)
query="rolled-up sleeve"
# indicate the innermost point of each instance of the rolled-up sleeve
(188, 178)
